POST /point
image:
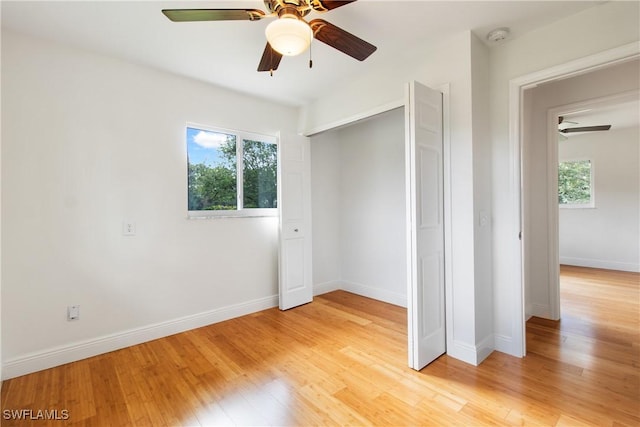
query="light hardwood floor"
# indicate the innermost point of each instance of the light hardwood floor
(342, 360)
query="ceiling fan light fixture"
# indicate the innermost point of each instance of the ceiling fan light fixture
(289, 35)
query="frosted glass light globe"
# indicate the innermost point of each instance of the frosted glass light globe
(288, 36)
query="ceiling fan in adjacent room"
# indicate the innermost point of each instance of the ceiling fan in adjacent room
(564, 131)
(289, 34)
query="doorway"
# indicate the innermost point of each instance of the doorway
(535, 266)
(541, 212)
(358, 204)
(596, 219)
(371, 182)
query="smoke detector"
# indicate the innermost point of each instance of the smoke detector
(498, 34)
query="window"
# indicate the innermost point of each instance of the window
(575, 184)
(231, 173)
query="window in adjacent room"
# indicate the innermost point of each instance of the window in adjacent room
(231, 173)
(575, 184)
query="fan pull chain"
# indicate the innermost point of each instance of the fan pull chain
(310, 60)
(271, 72)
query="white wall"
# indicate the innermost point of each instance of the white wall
(612, 80)
(88, 141)
(359, 208)
(594, 30)
(372, 231)
(609, 235)
(326, 169)
(482, 197)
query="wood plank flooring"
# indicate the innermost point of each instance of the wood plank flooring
(341, 360)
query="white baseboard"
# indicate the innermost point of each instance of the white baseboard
(326, 287)
(598, 263)
(81, 350)
(484, 348)
(462, 351)
(504, 344)
(472, 354)
(528, 309)
(540, 310)
(375, 293)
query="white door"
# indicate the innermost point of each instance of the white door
(425, 227)
(294, 201)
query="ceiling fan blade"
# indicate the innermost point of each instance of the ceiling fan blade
(586, 129)
(324, 5)
(342, 40)
(562, 120)
(191, 15)
(270, 59)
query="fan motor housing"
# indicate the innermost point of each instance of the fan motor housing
(303, 7)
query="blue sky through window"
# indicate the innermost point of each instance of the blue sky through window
(202, 146)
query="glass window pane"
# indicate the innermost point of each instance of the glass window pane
(260, 160)
(574, 183)
(211, 158)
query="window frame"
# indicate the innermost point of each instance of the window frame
(240, 211)
(592, 194)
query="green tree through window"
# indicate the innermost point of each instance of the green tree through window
(215, 177)
(574, 183)
(214, 187)
(260, 174)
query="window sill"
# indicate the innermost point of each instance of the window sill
(577, 206)
(245, 213)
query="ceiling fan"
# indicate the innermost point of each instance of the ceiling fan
(580, 128)
(289, 34)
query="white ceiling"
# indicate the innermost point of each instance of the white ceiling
(227, 53)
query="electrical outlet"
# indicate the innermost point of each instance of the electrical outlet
(73, 312)
(128, 228)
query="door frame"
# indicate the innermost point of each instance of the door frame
(553, 213)
(516, 240)
(444, 88)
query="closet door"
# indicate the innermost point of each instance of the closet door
(425, 224)
(294, 201)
